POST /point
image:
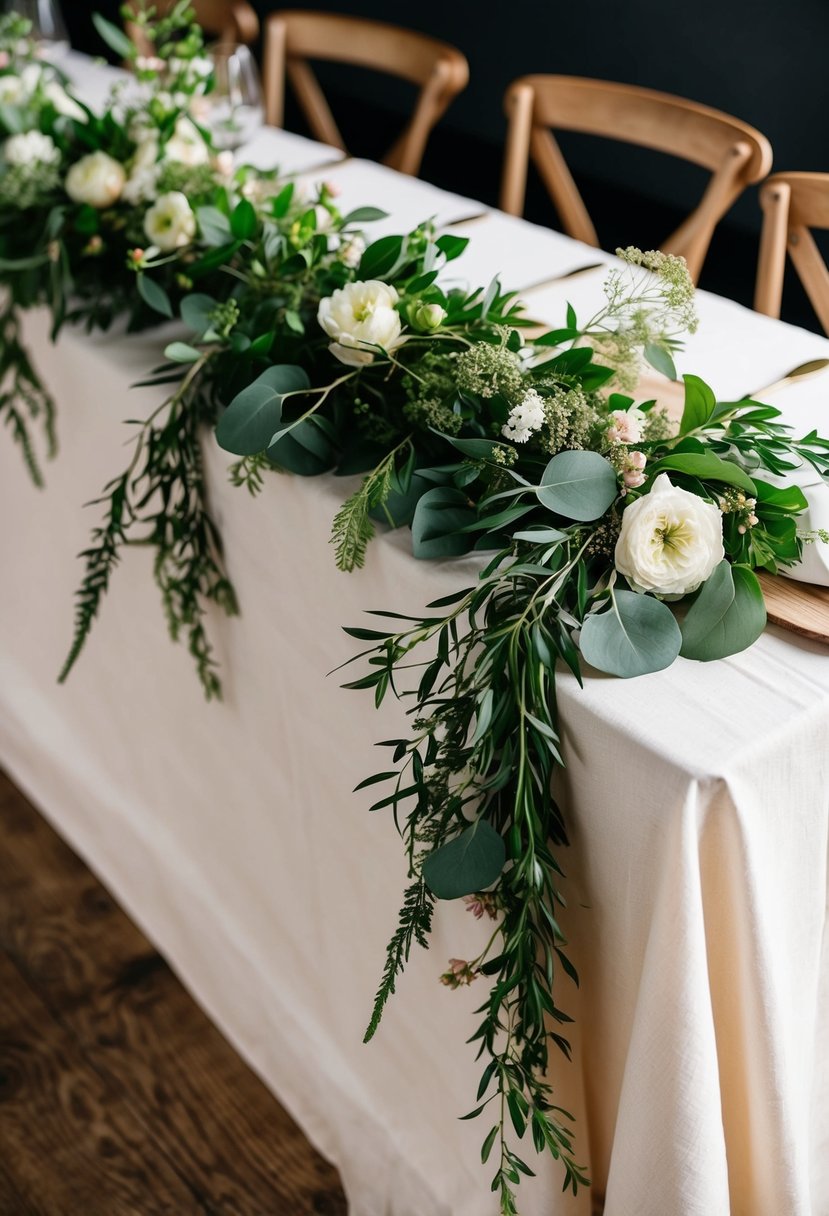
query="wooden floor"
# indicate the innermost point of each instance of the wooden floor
(117, 1095)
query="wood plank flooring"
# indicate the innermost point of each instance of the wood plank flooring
(117, 1096)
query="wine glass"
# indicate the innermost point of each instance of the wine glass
(236, 109)
(48, 26)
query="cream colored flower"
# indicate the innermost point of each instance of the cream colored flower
(96, 179)
(186, 145)
(359, 318)
(12, 90)
(30, 148)
(170, 222)
(670, 542)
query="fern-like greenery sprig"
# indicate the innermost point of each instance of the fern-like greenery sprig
(161, 501)
(23, 396)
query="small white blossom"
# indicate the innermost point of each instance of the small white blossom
(186, 145)
(170, 223)
(351, 251)
(524, 419)
(30, 148)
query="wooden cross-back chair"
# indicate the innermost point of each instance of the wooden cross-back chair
(225, 20)
(734, 152)
(793, 203)
(293, 38)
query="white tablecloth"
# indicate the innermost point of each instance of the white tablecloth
(698, 801)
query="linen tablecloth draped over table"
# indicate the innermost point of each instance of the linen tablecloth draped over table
(697, 798)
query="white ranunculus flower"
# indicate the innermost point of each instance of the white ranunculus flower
(30, 148)
(670, 542)
(359, 318)
(97, 180)
(170, 222)
(12, 90)
(186, 145)
(351, 250)
(63, 103)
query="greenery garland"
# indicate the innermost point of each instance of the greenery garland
(609, 534)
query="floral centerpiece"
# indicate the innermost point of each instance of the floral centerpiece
(611, 536)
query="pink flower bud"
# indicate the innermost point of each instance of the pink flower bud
(633, 478)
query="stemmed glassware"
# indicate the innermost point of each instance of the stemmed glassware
(236, 111)
(48, 26)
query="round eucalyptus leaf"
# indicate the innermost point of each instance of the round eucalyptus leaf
(636, 635)
(578, 485)
(251, 420)
(727, 616)
(438, 518)
(469, 863)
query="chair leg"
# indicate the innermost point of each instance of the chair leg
(519, 107)
(771, 264)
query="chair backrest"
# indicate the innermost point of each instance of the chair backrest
(226, 20)
(736, 154)
(792, 204)
(292, 38)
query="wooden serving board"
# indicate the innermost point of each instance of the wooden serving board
(801, 607)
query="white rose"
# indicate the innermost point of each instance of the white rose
(170, 222)
(359, 318)
(186, 145)
(11, 90)
(30, 148)
(670, 542)
(63, 103)
(96, 180)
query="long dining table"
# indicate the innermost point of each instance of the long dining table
(697, 801)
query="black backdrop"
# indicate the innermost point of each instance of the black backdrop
(762, 63)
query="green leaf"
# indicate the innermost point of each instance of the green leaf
(280, 204)
(660, 359)
(700, 404)
(480, 449)
(439, 515)
(364, 215)
(782, 498)
(304, 448)
(451, 246)
(180, 352)
(728, 614)
(195, 312)
(578, 485)
(154, 295)
(469, 863)
(248, 424)
(243, 221)
(636, 635)
(214, 226)
(114, 37)
(380, 257)
(706, 466)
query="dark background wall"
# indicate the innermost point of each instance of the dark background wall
(765, 64)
